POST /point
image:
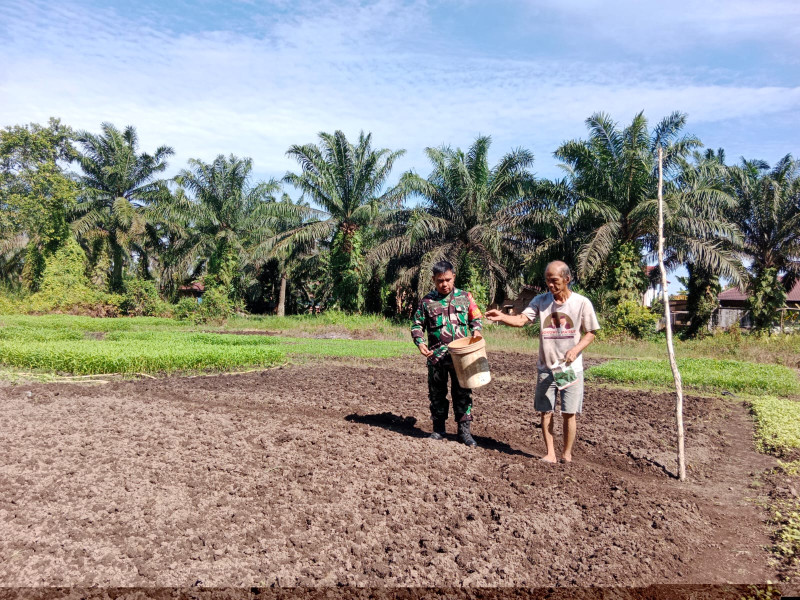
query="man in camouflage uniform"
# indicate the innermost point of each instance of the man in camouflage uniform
(448, 314)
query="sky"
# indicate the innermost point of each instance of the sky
(251, 78)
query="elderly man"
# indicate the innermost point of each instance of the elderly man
(567, 325)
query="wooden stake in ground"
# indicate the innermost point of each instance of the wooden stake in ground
(676, 374)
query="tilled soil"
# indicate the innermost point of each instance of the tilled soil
(320, 474)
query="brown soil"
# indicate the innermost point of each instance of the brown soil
(321, 474)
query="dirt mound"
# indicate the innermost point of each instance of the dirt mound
(321, 474)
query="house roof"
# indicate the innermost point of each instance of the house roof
(195, 286)
(735, 293)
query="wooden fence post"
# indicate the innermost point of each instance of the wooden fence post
(676, 374)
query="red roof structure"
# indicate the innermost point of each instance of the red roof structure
(196, 288)
(734, 294)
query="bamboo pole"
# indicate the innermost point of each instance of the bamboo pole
(676, 374)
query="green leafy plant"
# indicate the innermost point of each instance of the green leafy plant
(703, 373)
(766, 297)
(141, 299)
(630, 318)
(776, 419)
(65, 287)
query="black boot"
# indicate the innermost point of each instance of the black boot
(464, 435)
(439, 429)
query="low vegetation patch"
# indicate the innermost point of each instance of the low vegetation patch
(88, 346)
(149, 352)
(777, 426)
(786, 521)
(704, 374)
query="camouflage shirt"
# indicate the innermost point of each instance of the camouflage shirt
(446, 318)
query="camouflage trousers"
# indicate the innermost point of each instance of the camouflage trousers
(437, 392)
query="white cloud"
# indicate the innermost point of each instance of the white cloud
(375, 66)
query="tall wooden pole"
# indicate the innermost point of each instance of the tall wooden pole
(676, 374)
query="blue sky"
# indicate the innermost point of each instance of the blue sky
(251, 78)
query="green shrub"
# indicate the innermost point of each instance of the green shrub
(141, 299)
(215, 305)
(64, 287)
(185, 309)
(630, 318)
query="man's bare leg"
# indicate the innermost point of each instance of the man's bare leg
(547, 434)
(569, 436)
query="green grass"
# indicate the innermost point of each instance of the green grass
(87, 346)
(777, 424)
(373, 326)
(147, 352)
(703, 374)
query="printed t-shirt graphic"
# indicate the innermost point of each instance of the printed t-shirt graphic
(558, 325)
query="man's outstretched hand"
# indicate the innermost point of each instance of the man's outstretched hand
(423, 349)
(493, 314)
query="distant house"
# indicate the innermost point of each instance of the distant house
(193, 290)
(733, 306)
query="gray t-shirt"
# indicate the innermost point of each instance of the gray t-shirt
(561, 327)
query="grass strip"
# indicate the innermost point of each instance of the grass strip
(703, 374)
(165, 354)
(86, 346)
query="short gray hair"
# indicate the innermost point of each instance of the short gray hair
(563, 271)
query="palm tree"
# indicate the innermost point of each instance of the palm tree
(221, 221)
(768, 215)
(701, 190)
(292, 256)
(471, 216)
(118, 184)
(612, 178)
(347, 181)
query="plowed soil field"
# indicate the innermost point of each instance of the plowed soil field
(320, 474)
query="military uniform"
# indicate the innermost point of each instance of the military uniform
(446, 318)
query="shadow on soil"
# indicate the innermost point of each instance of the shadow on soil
(407, 426)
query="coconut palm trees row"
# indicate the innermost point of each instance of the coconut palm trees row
(352, 238)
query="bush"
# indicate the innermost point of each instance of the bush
(185, 309)
(632, 319)
(65, 287)
(215, 305)
(141, 299)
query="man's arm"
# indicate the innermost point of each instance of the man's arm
(418, 330)
(573, 352)
(511, 320)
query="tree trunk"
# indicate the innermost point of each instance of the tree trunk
(282, 296)
(117, 256)
(676, 374)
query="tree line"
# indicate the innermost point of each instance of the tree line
(97, 210)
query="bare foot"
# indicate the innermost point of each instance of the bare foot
(566, 459)
(548, 459)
